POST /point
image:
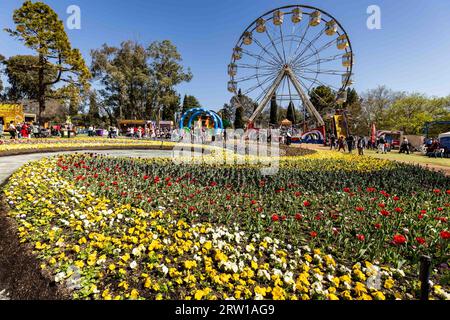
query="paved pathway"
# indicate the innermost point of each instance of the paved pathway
(10, 164)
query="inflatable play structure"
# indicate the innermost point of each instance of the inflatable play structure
(203, 117)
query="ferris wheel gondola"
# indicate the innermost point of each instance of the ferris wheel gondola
(286, 53)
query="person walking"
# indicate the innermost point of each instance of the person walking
(341, 143)
(404, 147)
(350, 141)
(361, 144)
(381, 145)
(332, 142)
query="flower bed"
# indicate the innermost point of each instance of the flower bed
(322, 228)
(22, 146)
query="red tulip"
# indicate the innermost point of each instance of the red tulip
(398, 210)
(377, 226)
(360, 237)
(420, 240)
(359, 209)
(275, 218)
(399, 239)
(313, 234)
(306, 203)
(385, 213)
(445, 235)
(298, 217)
(395, 198)
(437, 191)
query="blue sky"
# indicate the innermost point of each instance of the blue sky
(410, 53)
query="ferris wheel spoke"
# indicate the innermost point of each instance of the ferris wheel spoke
(277, 60)
(282, 44)
(259, 57)
(300, 43)
(321, 83)
(321, 61)
(253, 77)
(330, 72)
(251, 66)
(271, 78)
(324, 47)
(309, 45)
(292, 37)
(275, 47)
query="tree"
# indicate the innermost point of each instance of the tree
(375, 104)
(291, 112)
(190, 102)
(2, 59)
(167, 72)
(124, 73)
(170, 110)
(410, 113)
(227, 113)
(94, 110)
(357, 124)
(23, 77)
(242, 101)
(273, 110)
(323, 99)
(239, 118)
(40, 29)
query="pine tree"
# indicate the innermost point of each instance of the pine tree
(239, 119)
(273, 110)
(291, 112)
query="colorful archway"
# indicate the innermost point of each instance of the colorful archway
(195, 112)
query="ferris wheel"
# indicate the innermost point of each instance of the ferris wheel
(286, 53)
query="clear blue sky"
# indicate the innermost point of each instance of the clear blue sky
(410, 53)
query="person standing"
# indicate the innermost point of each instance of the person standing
(36, 130)
(332, 142)
(341, 143)
(350, 141)
(361, 144)
(1, 129)
(12, 130)
(404, 147)
(382, 145)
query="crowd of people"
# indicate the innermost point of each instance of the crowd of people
(20, 130)
(361, 143)
(434, 148)
(349, 143)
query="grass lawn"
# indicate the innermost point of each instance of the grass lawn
(411, 158)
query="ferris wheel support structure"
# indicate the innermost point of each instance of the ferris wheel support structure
(286, 72)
